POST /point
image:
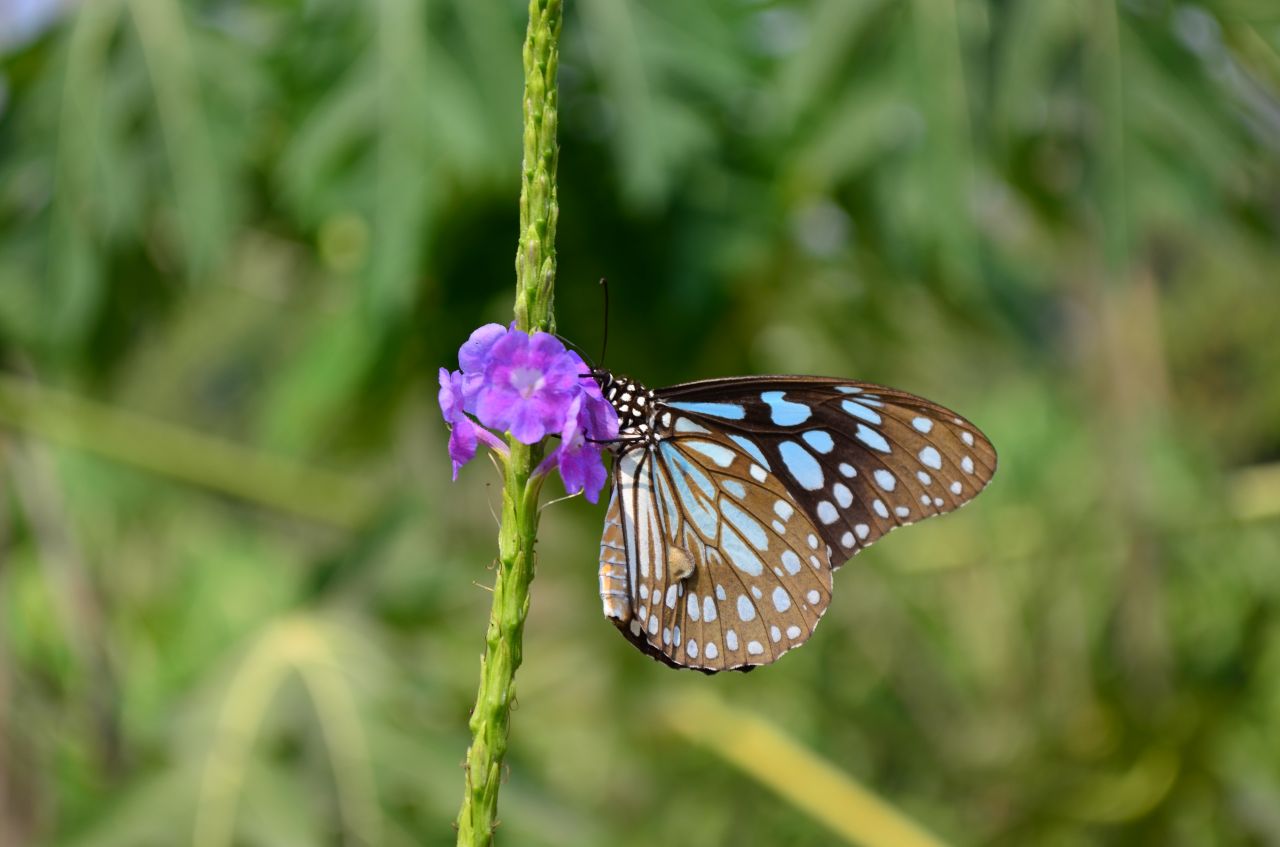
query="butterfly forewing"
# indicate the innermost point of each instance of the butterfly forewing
(861, 459)
(736, 499)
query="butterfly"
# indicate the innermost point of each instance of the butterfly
(734, 501)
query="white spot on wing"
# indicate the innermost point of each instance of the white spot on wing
(922, 425)
(827, 513)
(929, 458)
(746, 609)
(781, 599)
(791, 562)
(847, 539)
(880, 508)
(731, 640)
(885, 480)
(966, 464)
(711, 650)
(848, 470)
(793, 632)
(755, 648)
(862, 530)
(843, 495)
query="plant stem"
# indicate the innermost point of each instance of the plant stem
(536, 256)
(535, 281)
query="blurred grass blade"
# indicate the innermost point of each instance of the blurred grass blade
(405, 192)
(197, 188)
(298, 643)
(943, 96)
(808, 781)
(1255, 493)
(184, 454)
(74, 266)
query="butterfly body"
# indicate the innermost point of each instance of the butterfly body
(734, 500)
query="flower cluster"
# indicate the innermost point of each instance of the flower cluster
(530, 386)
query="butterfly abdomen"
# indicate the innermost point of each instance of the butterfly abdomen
(615, 590)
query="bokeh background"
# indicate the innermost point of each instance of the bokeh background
(242, 603)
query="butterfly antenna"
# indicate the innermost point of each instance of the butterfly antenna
(604, 343)
(581, 352)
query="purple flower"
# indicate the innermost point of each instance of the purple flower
(473, 357)
(529, 382)
(579, 460)
(464, 435)
(530, 386)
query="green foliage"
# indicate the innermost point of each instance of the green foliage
(240, 602)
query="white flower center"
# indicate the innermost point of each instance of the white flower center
(526, 381)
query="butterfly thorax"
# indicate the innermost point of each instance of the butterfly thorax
(635, 406)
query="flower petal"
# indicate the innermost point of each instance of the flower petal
(473, 355)
(462, 443)
(450, 397)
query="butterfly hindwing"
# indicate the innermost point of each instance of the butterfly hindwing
(726, 570)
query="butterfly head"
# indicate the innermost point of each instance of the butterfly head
(632, 401)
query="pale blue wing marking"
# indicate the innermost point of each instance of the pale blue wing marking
(859, 410)
(802, 465)
(752, 450)
(872, 439)
(819, 440)
(785, 412)
(744, 523)
(728, 411)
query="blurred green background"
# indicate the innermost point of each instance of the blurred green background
(241, 602)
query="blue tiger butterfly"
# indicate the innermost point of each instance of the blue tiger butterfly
(734, 501)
